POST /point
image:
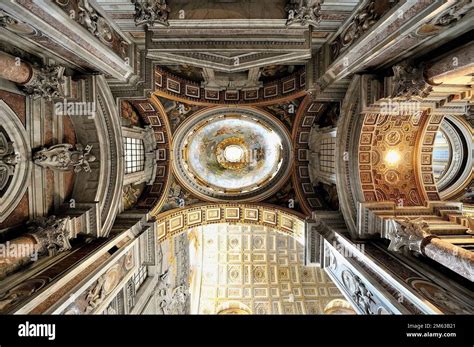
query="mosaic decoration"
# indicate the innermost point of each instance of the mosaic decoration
(131, 194)
(178, 197)
(233, 153)
(177, 112)
(128, 113)
(285, 111)
(286, 197)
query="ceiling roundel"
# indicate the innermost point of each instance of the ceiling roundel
(229, 153)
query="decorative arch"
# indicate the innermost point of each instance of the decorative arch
(382, 134)
(19, 182)
(152, 113)
(305, 117)
(373, 124)
(179, 220)
(458, 172)
(101, 188)
(233, 307)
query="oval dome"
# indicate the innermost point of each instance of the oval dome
(232, 154)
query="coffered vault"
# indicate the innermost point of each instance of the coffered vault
(251, 157)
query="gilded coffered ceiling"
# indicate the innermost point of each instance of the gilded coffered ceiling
(256, 269)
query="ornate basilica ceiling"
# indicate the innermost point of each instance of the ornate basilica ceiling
(231, 148)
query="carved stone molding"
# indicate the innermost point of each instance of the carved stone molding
(304, 12)
(151, 11)
(173, 87)
(409, 81)
(178, 220)
(172, 300)
(15, 163)
(95, 23)
(8, 160)
(94, 298)
(90, 16)
(362, 296)
(46, 82)
(6, 20)
(357, 288)
(365, 18)
(453, 14)
(152, 113)
(470, 115)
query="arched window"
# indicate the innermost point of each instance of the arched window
(139, 147)
(452, 156)
(134, 155)
(441, 155)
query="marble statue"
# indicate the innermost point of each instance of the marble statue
(63, 157)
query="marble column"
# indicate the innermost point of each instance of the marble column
(451, 256)
(454, 68)
(37, 81)
(14, 69)
(51, 237)
(415, 236)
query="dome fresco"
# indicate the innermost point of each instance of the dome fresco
(231, 153)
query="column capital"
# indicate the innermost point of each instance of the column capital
(52, 234)
(45, 82)
(409, 81)
(411, 234)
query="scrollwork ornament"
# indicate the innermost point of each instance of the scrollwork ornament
(6, 20)
(454, 13)
(409, 82)
(52, 235)
(408, 234)
(8, 160)
(95, 23)
(63, 157)
(305, 12)
(46, 82)
(363, 20)
(150, 12)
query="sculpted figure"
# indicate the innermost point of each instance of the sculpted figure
(63, 157)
